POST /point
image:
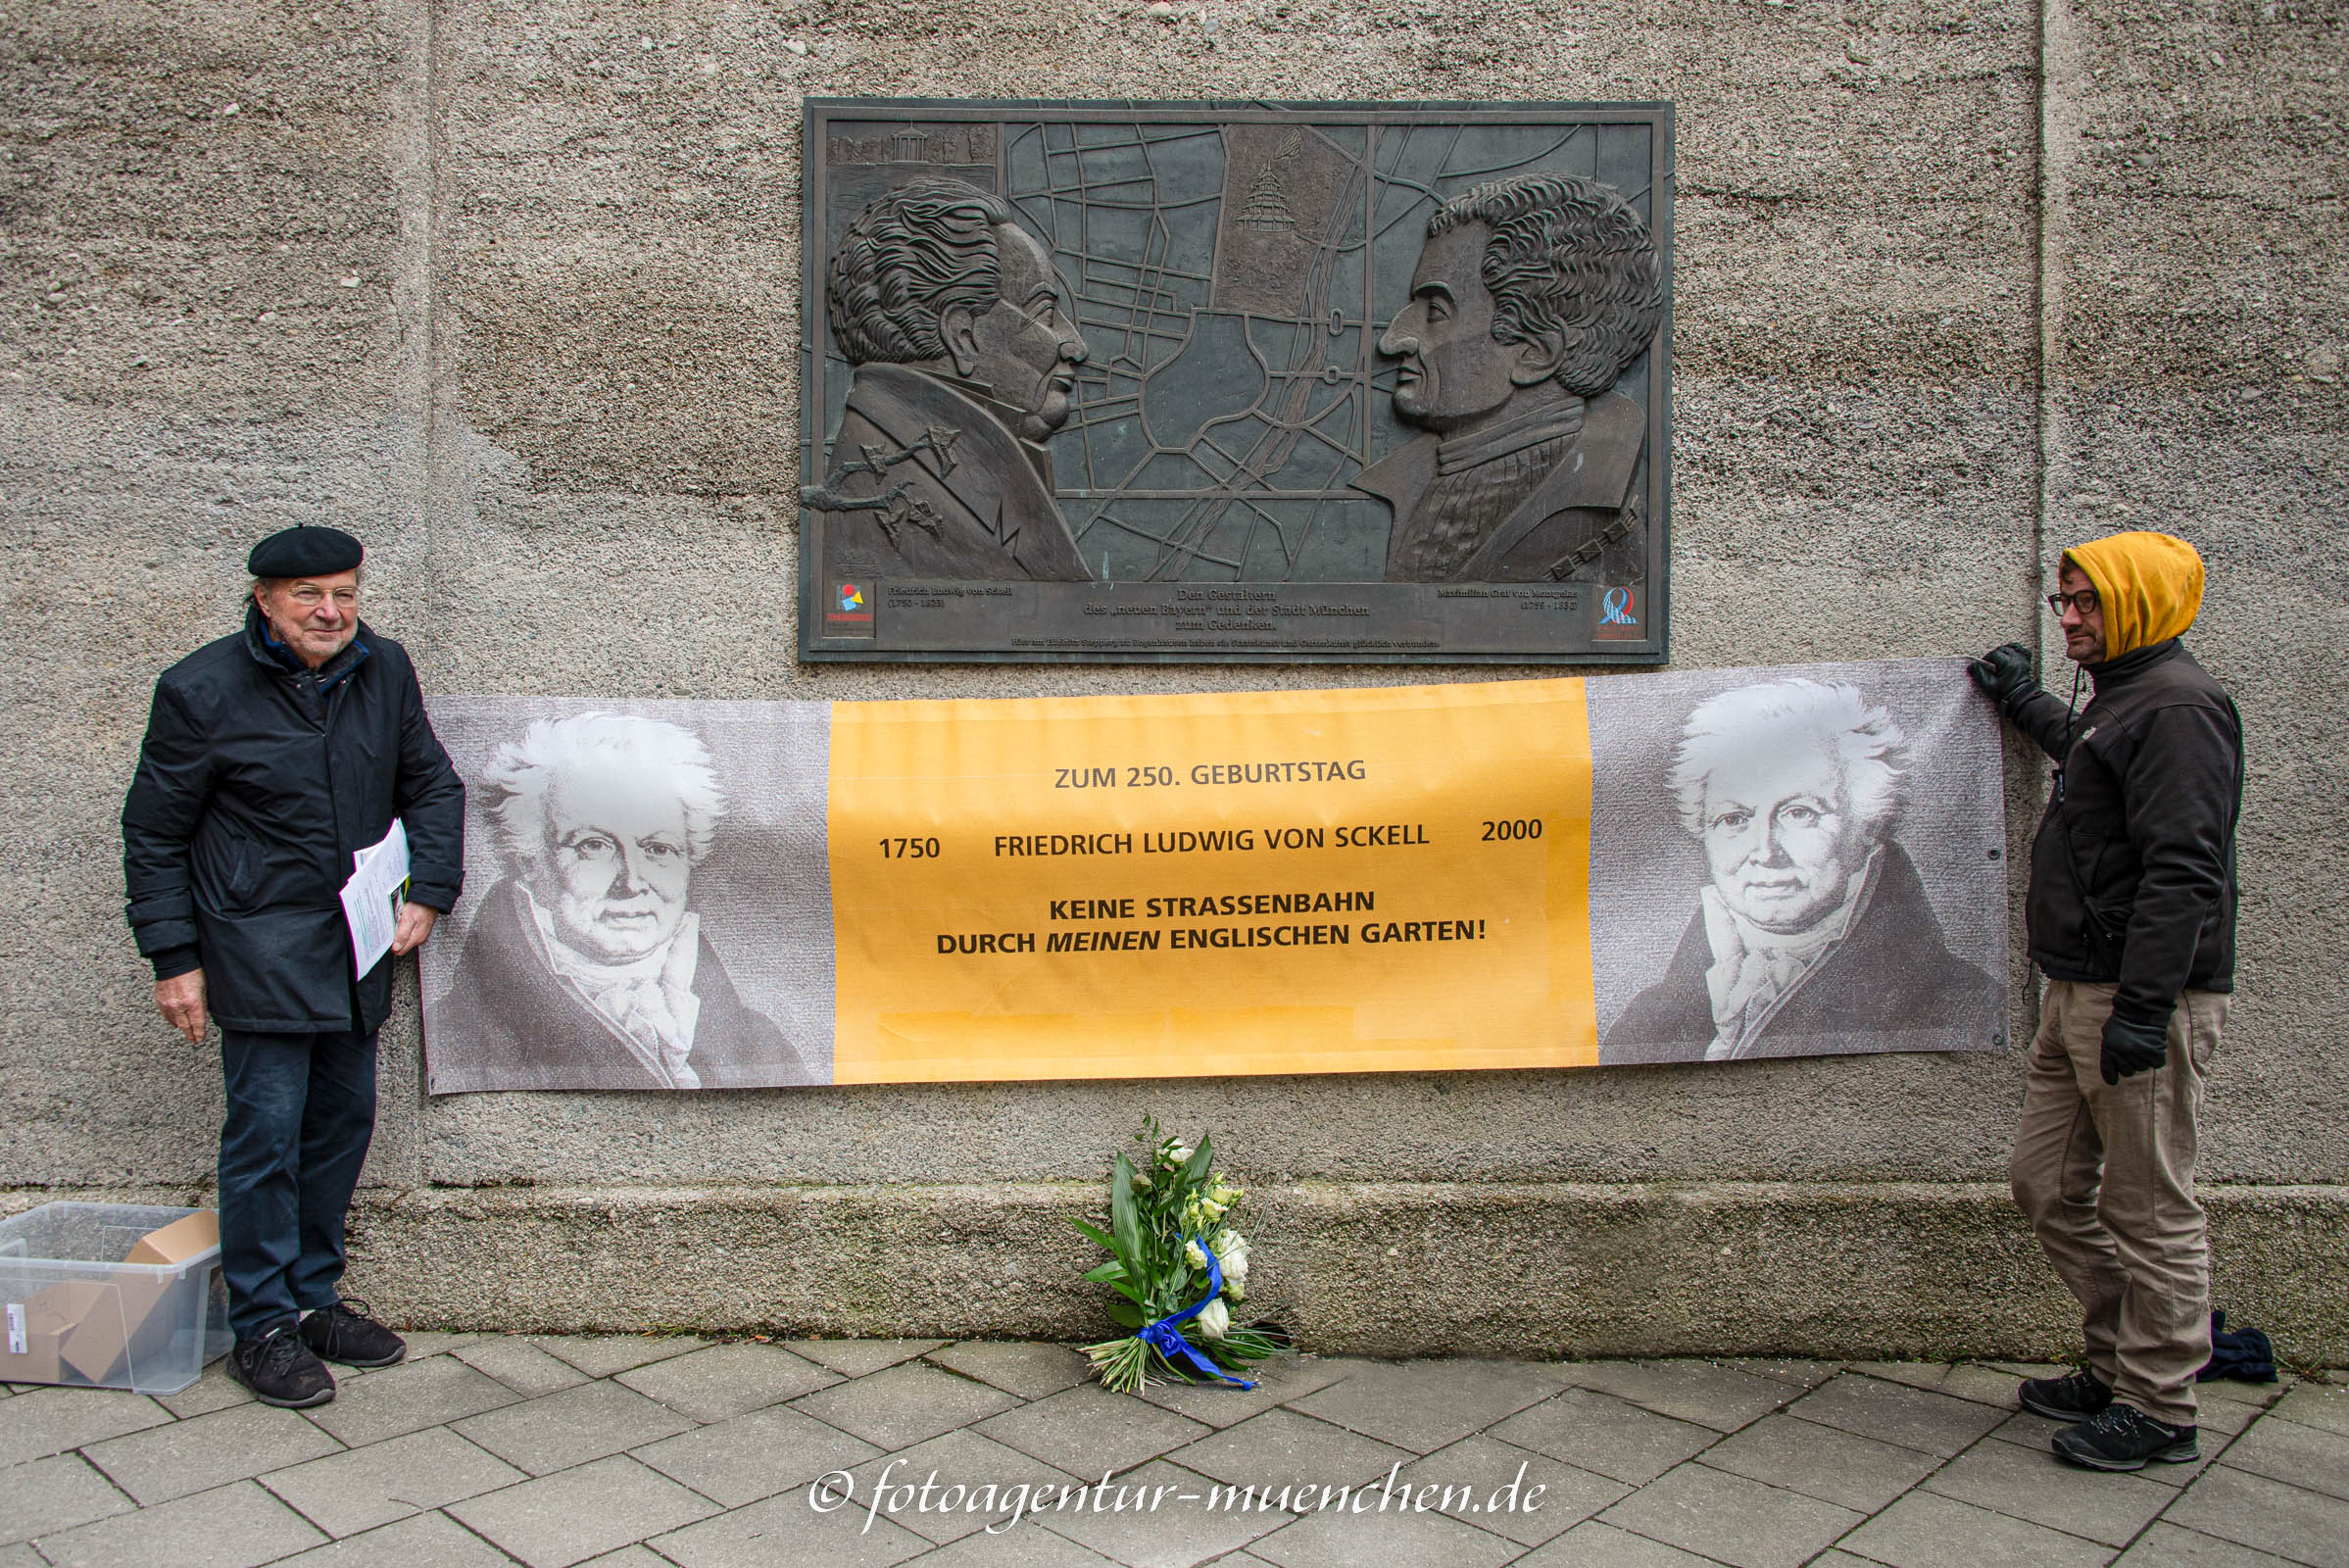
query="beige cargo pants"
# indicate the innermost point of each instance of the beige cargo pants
(2105, 1172)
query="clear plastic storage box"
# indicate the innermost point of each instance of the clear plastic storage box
(81, 1305)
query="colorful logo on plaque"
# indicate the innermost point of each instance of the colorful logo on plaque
(850, 597)
(1618, 613)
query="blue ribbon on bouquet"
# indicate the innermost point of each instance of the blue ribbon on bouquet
(1166, 1334)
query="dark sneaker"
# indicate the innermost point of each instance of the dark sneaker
(2121, 1437)
(280, 1370)
(345, 1333)
(2073, 1399)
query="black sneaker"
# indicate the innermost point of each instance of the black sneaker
(345, 1333)
(280, 1370)
(2121, 1437)
(2073, 1399)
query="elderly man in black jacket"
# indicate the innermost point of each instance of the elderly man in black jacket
(2131, 914)
(271, 757)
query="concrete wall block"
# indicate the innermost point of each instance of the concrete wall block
(2199, 156)
(1897, 1269)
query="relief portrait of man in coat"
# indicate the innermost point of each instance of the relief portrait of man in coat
(1532, 296)
(586, 967)
(957, 325)
(1814, 933)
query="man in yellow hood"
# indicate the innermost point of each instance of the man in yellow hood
(2132, 913)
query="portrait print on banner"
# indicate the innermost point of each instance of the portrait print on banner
(1795, 862)
(646, 898)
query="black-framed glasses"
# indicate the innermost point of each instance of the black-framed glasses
(2084, 601)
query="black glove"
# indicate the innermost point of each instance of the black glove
(2004, 674)
(2132, 1047)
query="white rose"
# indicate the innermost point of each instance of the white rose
(1214, 1320)
(1199, 1259)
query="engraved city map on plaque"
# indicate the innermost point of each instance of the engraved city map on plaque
(1203, 382)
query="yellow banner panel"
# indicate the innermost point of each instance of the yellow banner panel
(1221, 883)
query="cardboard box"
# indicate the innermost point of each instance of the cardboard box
(32, 1348)
(179, 1240)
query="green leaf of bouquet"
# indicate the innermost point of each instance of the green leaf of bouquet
(1123, 1223)
(1094, 1231)
(1195, 1172)
(1105, 1273)
(1125, 1313)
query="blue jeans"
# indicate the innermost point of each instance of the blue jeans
(301, 1108)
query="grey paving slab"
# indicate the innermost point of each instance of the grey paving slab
(1283, 1445)
(521, 1365)
(630, 1557)
(20, 1556)
(583, 1512)
(1473, 1477)
(2007, 1478)
(727, 1380)
(1717, 1397)
(1424, 1406)
(957, 1482)
(2298, 1456)
(43, 1495)
(1984, 1386)
(1169, 1521)
(783, 1530)
(422, 1343)
(2165, 1546)
(1913, 1374)
(904, 1404)
(2312, 1405)
(1732, 1519)
(43, 1421)
(1599, 1431)
(1822, 1462)
(213, 1389)
(600, 1356)
(236, 1526)
(1392, 1540)
(741, 1460)
(558, 1431)
(1802, 1374)
(2254, 1511)
(1893, 1412)
(211, 1450)
(1593, 1545)
(1084, 1428)
(2258, 1395)
(361, 1489)
(1278, 1381)
(855, 1358)
(1031, 1371)
(410, 1398)
(1925, 1530)
(424, 1541)
(1031, 1545)
(2225, 1416)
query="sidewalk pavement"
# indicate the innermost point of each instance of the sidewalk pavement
(640, 1452)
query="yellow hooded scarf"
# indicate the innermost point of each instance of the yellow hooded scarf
(2150, 585)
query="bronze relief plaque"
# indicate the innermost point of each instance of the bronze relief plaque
(1238, 383)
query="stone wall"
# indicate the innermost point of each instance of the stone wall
(511, 291)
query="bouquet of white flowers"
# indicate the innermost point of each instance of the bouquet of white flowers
(1177, 1262)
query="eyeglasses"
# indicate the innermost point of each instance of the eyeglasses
(2084, 601)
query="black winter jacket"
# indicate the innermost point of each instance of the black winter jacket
(256, 785)
(2132, 876)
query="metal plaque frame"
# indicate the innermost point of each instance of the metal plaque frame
(1193, 500)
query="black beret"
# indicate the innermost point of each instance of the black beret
(299, 552)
